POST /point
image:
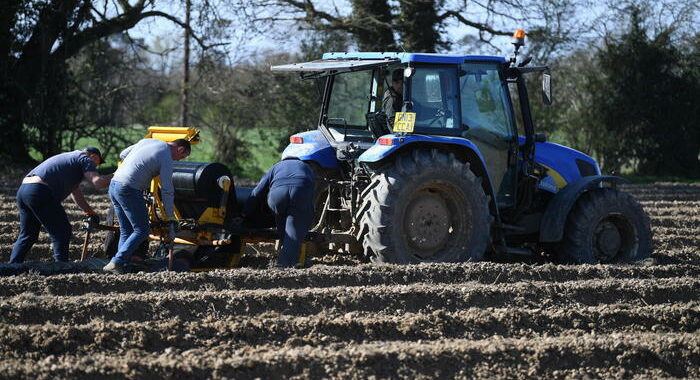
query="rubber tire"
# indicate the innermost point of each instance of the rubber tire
(408, 176)
(594, 207)
(320, 191)
(111, 242)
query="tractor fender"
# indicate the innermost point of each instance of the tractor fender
(463, 149)
(554, 217)
(314, 148)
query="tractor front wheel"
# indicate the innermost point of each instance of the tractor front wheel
(426, 207)
(605, 226)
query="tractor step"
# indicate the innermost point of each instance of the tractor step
(512, 227)
(515, 251)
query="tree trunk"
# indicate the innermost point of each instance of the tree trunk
(418, 26)
(184, 100)
(12, 141)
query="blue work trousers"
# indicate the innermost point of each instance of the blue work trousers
(130, 209)
(293, 207)
(38, 206)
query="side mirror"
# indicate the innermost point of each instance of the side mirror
(525, 61)
(546, 88)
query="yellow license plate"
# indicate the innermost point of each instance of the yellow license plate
(404, 122)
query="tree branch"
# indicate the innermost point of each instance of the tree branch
(476, 25)
(123, 22)
(311, 12)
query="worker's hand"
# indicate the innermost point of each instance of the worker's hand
(93, 219)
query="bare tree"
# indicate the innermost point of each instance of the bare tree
(184, 101)
(373, 23)
(36, 40)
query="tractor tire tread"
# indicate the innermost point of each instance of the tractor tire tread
(376, 222)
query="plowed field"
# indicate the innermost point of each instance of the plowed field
(342, 319)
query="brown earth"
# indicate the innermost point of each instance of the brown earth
(343, 319)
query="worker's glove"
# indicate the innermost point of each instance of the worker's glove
(172, 229)
(92, 220)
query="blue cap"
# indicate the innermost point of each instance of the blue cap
(94, 150)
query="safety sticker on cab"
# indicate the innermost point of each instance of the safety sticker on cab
(404, 122)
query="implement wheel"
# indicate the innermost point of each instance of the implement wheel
(426, 207)
(111, 241)
(605, 226)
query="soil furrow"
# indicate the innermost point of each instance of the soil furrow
(331, 276)
(186, 305)
(650, 197)
(36, 341)
(672, 223)
(671, 208)
(603, 356)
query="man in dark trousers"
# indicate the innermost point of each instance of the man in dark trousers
(41, 193)
(288, 188)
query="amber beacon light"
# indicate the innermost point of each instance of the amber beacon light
(518, 38)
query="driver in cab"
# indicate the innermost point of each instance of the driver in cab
(393, 96)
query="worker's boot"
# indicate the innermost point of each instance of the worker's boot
(113, 267)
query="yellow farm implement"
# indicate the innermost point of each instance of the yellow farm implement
(211, 233)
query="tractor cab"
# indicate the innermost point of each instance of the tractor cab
(452, 97)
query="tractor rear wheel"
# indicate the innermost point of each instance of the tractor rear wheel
(426, 206)
(320, 193)
(605, 226)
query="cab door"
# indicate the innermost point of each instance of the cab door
(487, 120)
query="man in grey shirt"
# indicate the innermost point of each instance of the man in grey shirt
(141, 163)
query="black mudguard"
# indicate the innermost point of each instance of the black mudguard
(554, 218)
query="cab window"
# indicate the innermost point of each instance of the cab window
(484, 100)
(350, 100)
(434, 94)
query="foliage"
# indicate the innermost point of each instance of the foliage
(647, 101)
(377, 35)
(419, 26)
(37, 40)
(251, 114)
(570, 120)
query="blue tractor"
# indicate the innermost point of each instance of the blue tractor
(423, 158)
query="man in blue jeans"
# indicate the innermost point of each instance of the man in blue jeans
(41, 193)
(142, 162)
(288, 188)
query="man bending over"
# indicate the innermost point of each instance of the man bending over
(141, 163)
